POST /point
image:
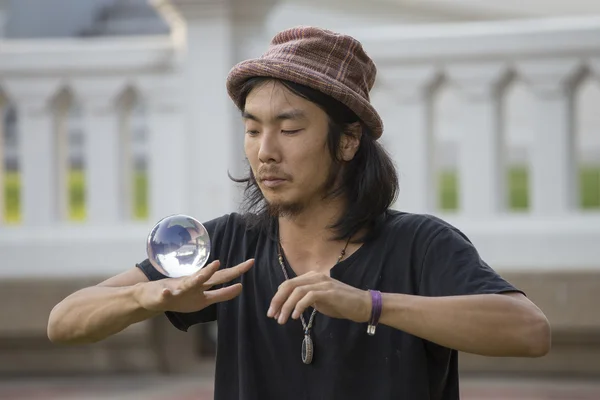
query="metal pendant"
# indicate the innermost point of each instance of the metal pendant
(307, 349)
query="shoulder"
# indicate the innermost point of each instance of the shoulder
(423, 230)
(410, 223)
(232, 235)
(225, 222)
(229, 226)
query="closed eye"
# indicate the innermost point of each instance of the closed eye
(291, 132)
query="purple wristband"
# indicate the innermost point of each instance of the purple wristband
(375, 311)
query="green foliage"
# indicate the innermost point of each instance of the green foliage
(140, 195)
(518, 195)
(76, 196)
(12, 198)
(589, 181)
(448, 190)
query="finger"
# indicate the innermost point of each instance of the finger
(310, 299)
(201, 276)
(298, 295)
(223, 294)
(228, 274)
(286, 289)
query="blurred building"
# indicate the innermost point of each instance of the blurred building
(130, 93)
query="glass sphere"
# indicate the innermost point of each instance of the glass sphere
(178, 245)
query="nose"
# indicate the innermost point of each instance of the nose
(269, 150)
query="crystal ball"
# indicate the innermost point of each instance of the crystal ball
(178, 245)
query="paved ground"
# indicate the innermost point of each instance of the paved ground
(199, 388)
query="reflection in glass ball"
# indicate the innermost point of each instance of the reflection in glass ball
(178, 245)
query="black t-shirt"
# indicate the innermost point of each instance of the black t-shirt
(258, 359)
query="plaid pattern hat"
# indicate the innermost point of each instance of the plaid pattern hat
(326, 61)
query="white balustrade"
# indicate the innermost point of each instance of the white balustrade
(480, 60)
(93, 76)
(192, 141)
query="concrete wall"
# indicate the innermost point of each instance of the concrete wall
(567, 298)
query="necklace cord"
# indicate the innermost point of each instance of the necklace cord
(280, 256)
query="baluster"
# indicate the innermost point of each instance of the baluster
(103, 146)
(553, 163)
(170, 170)
(3, 108)
(407, 116)
(481, 156)
(37, 149)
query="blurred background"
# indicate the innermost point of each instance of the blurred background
(114, 114)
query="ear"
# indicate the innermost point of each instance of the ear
(350, 141)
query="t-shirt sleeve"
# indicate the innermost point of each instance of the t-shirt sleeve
(452, 266)
(183, 321)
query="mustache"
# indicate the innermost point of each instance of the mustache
(271, 171)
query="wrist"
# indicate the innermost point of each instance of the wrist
(395, 307)
(138, 311)
(138, 294)
(367, 308)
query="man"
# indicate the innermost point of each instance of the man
(320, 290)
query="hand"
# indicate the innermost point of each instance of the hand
(327, 295)
(191, 293)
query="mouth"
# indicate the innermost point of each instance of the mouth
(272, 182)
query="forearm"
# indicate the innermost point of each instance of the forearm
(95, 313)
(490, 325)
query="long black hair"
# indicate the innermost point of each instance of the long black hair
(369, 182)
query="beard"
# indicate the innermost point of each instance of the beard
(284, 209)
(291, 209)
(256, 201)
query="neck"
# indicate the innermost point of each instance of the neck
(312, 224)
(308, 241)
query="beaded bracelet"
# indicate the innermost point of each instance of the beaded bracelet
(376, 302)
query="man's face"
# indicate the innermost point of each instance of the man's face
(286, 145)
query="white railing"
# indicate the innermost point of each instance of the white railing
(103, 79)
(480, 61)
